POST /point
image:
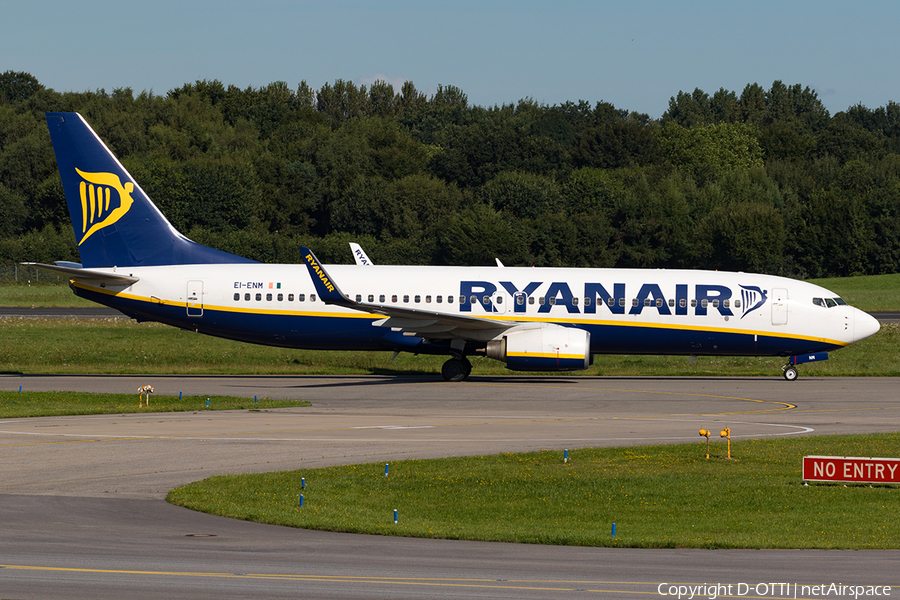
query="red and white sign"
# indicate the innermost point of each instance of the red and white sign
(851, 469)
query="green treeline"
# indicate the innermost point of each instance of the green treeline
(763, 181)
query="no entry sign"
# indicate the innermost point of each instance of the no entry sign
(851, 469)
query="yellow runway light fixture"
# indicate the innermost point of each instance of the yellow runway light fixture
(705, 433)
(726, 433)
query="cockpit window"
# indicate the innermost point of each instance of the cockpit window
(829, 302)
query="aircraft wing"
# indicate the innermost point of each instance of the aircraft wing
(81, 274)
(399, 318)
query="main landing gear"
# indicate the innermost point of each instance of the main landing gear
(456, 369)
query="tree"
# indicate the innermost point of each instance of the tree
(708, 150)
(17, 86)
(524, 195)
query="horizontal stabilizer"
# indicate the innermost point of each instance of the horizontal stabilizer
(90, 275)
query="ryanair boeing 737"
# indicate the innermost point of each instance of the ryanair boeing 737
(533, 319)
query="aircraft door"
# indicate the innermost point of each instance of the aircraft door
(195, 298)
(502, 303)
(519, 303)
(779, 306)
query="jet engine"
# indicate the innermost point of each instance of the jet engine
(542, 348)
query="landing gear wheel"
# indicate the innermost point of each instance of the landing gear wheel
(456, 369)
(790, 373)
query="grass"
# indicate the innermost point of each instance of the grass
(867, 292)
(54, 404)
(117, 346)
(49, 296)
(663, 496)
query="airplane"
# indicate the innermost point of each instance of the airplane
(533, 319)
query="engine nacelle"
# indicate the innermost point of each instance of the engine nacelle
(542, 348)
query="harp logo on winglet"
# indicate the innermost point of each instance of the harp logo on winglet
(104, 200)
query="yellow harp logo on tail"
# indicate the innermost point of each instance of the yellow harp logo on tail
(98, 207)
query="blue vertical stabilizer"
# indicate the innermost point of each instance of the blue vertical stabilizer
(115, 223)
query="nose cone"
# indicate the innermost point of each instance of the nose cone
(864, 325)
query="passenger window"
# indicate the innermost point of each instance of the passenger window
(671, 302)
(694, 303)
(520, 300)
(530, 299)
(611, 301)
(301, 297)
(473, 299)
(450, 299)
(622, 302)
(427, 299)
(371, 297)
(659, 302)
(646, 301)
(574, 301)
(312, 297)
(541, 300)
(439, 299)
(393, 297)
(418, 298)
(726, 303)
(359, 298)
(704, 303)
(587, 300)
(485, 300)
(268, 297)
(290, 297)
(682, 303)
(259, 297)
(381, 298)
(237, 297)
(280, 297)
(552, 300)
(716, 303)
(634, 302)
(499, 299)
(247, 297)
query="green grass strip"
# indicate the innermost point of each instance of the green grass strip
(664, 496)
(54, 404)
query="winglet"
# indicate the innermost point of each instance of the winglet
(325, 286)
(359, 255)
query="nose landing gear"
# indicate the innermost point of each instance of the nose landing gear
(790, 369)
(790, 372)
